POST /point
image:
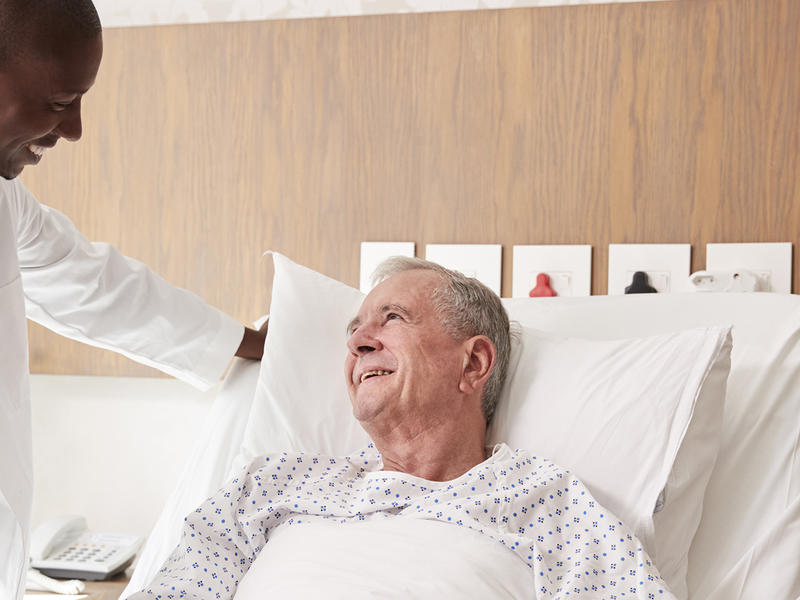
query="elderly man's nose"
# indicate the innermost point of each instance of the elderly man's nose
(362, 342)
(361, 346)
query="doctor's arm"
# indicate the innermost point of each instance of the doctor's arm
(90, 292)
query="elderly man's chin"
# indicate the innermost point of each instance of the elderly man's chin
(366, 407)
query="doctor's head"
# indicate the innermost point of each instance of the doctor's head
(427, 344)
(50, 52)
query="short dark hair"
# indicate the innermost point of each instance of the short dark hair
(31, 27)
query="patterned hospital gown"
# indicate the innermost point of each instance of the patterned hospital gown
(573, 546)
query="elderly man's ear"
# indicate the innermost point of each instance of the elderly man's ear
(480, 355)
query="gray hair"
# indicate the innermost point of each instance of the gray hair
(466, 308)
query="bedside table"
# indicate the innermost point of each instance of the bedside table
(100, 590)
(107, 590)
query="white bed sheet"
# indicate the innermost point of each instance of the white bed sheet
(384, 558)
(748, 543)
(767, 569)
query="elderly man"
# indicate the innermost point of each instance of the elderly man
(428, 352)
(50, 52)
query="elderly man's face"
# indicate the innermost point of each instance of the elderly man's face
(401, 363)
(40, 102)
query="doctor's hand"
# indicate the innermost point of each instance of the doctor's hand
(252, 345)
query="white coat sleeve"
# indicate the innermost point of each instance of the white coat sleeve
(89, 291)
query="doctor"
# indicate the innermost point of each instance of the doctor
(50, 51)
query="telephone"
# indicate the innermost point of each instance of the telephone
(62, 547)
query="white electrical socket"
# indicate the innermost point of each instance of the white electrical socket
(374, 253)
(770, 261)
(667, 266)
(569, 269)
(481, 261)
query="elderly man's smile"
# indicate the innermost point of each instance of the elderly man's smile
(372, 374)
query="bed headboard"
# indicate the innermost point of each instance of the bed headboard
(659, 122)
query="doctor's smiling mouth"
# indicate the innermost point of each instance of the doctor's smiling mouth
(30, 153)
(37, 150)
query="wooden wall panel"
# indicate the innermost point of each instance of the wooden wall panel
(206, 144)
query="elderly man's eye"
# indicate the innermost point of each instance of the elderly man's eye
(392, 316)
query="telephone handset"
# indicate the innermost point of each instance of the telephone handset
(64, 548)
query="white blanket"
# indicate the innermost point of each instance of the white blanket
(387, 559)
(571, 545)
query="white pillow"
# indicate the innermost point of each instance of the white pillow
(613, 317)
(301, 404)
(301, 400)
(616, 413)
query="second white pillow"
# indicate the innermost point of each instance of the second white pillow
(615, 412)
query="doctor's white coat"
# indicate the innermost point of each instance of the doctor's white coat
(90, 292)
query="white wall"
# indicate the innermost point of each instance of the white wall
(111, 448)
(125, 13)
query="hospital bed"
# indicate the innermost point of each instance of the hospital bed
(680, 412)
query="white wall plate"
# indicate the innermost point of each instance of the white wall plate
(373, 253)
(569, 268)
(771, 261)
(667, 266)
(482, 261)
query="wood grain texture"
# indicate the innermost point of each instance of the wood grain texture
(664, 122)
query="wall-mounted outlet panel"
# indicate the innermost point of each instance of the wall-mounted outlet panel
(667, 266)
(373, 253)
(772, 262)
(569, 269)
(481, 261)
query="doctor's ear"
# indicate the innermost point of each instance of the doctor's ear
(478, 363)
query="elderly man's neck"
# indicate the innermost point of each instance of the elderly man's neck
(434, 451)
